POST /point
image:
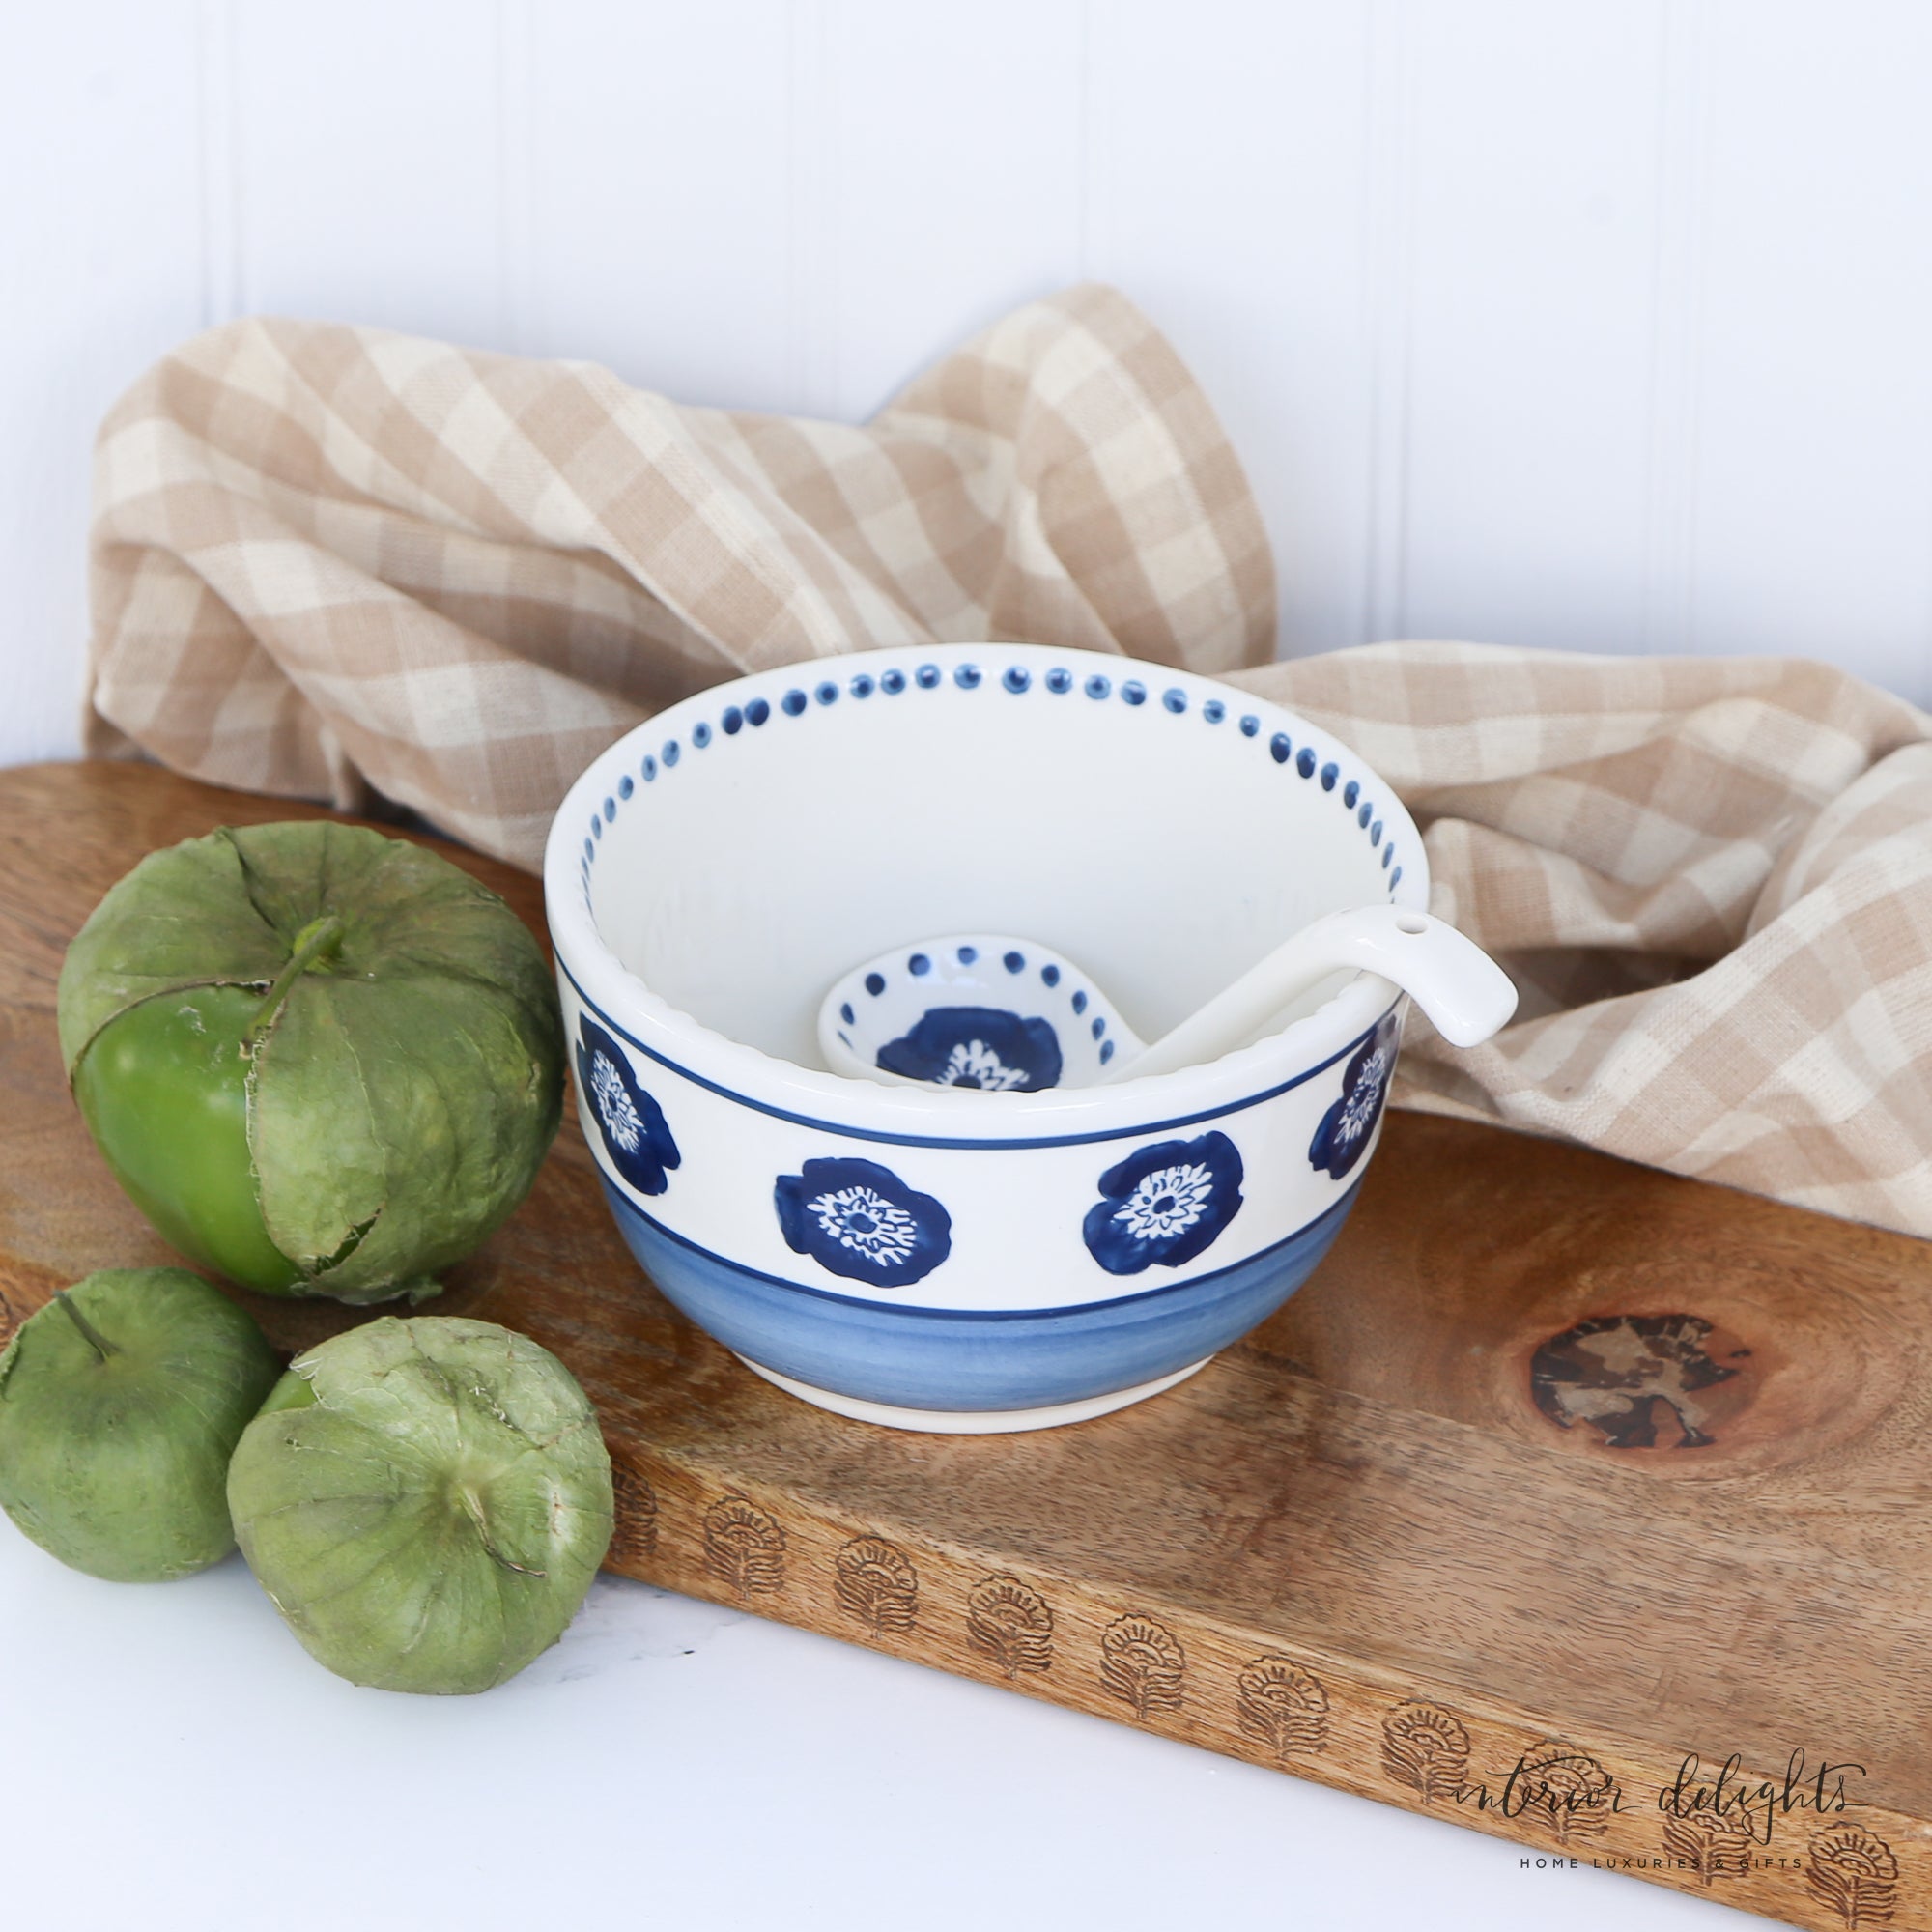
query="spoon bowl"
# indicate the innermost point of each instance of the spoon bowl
(996, 1013)
(980, 1010)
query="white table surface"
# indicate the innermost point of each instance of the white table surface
(171, 1761)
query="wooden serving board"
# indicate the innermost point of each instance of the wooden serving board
(1558, 1473)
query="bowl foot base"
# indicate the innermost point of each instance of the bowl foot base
(974, 1421)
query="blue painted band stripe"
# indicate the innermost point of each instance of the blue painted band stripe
(1135, 1132)
(1333, 1212)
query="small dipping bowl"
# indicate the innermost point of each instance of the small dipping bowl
(970, 1260)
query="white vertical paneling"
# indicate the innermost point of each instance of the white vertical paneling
(1602, 324)
(1228, 185)
(100, 237)
(662, 208)
(1530, 298)
(952, 174)
(1677, 328)
(368, 153)
(1813, 527)
(217, 110)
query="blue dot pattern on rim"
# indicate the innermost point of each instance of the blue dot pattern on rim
(876, 983)
(1051, 975)
(1100, 1027)
(1079, 1002)
(1106, 1051)
(917, 964)
(1017, 679)
(1015, 963)
(967, 954)
(846, 1013)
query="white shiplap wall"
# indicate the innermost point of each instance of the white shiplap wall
(1604, 325)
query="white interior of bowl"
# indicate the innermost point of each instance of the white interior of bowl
(1163, 850)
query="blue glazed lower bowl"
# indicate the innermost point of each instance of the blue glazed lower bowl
(976, 1362)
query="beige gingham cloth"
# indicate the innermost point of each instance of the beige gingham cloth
(329, 559)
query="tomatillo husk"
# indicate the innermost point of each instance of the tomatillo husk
(321, 1061)
(121, 1402)
(426, 1501)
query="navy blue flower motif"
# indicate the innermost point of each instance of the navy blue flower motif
(1345, 1129)
(636, 1134)
(977, 1046)
(1165, 1204)
(861, 1220)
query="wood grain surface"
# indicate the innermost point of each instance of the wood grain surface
(1558, 1473)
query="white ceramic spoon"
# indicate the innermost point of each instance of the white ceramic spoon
(999, 1013)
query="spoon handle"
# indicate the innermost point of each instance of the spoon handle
(1465, 994)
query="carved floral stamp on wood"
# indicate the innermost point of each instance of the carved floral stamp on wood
(744, 1546)
(875, 1581)
(1713, 1844)
(634, 1535)
(1854, 1873)
(1426, 1750)
(1565, 1790)
(1281, 1705)
(1142, 1663)
(1011, 1623)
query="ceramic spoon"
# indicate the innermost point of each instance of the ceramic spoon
(1001, 1014)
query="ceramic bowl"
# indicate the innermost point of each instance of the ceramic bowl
(932, 1257)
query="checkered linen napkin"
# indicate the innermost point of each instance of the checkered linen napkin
(329, 559)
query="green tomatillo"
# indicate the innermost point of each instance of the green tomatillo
(426, 1501)
(319, 1060)
(121, 1402)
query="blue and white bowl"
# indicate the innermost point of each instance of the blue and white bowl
(935, 1257)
